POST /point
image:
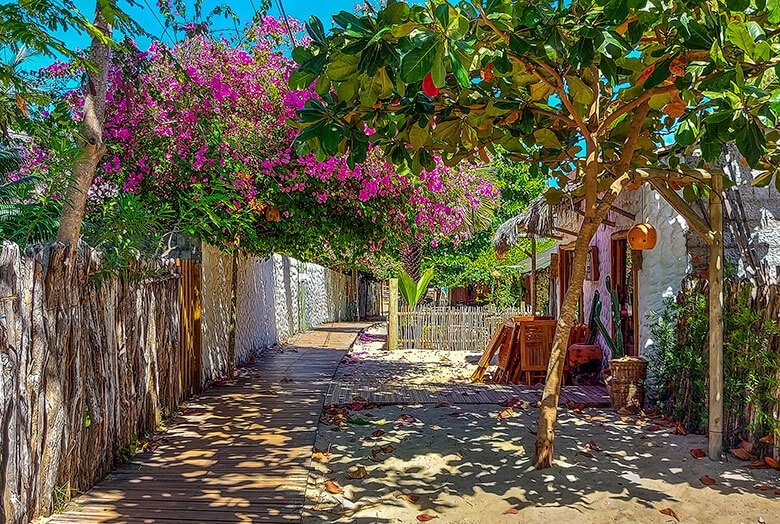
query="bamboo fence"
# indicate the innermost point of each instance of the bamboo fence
(450, 328)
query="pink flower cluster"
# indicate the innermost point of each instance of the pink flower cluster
(205, 113)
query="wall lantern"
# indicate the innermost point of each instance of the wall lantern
(642, 237)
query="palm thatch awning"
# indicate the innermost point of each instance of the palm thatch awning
(534, 222)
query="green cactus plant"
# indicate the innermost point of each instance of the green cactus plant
(615, 343)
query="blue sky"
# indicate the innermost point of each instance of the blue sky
(300, 9)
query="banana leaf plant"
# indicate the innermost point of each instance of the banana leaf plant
(413, 291)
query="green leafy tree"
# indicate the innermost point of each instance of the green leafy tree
(587, 91)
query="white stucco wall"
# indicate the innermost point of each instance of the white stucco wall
(276, 298)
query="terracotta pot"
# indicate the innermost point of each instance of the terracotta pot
(642, 237)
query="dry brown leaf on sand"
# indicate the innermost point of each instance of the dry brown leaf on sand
(377, 433)
(424, 517)
(698, 453)
(357, 472)
(707, 480)
(387, 449)
(741, 454)
(670, 512)
(766, 439)
(332, 487)
(772, 463)
(511, 511)
(592, 446)
(319, 456)
(408, 497)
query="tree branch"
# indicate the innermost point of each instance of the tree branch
(646, 96)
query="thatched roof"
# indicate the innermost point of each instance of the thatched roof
(536, 221)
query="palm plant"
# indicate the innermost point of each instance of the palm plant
(413, 291)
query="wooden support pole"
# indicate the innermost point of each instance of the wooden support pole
(392, 315)
(533, 275)
(716, 318)
(231, 349)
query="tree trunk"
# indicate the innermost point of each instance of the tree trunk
(91, 135)
(411, 258)
(545, 432)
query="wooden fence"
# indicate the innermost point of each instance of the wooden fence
(87, 365)
(450, 328)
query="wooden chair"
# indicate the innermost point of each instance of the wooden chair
(536, 339)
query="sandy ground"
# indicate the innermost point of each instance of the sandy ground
(369, 360)
(465, 465)
(472, 464)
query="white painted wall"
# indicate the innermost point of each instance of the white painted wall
(276, 298)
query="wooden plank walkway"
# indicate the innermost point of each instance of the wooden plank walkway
(345, 391)
(239, 453)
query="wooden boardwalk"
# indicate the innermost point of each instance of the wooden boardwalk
(344, 393)
(239, 453)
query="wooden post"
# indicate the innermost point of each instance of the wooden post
(356, 282)
(716, 318)
(392, 316)
(533, 275)
(231, 349)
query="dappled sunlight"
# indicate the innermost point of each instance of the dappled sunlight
(472, 467)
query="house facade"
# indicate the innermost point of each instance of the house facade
(644, 279)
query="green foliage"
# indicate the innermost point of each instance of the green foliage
(473, 260)
(542, 80)
(413, 291)
(678, 361)
(751, 362)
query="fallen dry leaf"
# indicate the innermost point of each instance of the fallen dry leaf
(407, 419)
(772, 463)
(758, 464)
(698, 453)
(377, 433)
(507, 413)
(741, 454)
(511, 511)
(357, 472)
(707, 480)
(319, 457)
(653, 427)
(670, 512)
(443, 405)
(768, 439)
(592, 446)
(389, 448)
(679, 430)
(512, 402)
(747, 446)
(762, 487)
(408, 497)
(332, 487)
(424, 517)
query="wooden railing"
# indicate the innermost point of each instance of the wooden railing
(450, 328)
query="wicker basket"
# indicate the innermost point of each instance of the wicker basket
(626, 384)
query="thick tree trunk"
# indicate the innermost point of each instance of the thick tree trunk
(545, 432)
(91, 136)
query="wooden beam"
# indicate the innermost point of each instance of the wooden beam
(623, 212)
(533, 276)
(697, 223)
(716, 319)
(392, 315)
(606, 222)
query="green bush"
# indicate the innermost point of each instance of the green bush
(751, 361)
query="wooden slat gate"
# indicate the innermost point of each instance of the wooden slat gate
(190, 346)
